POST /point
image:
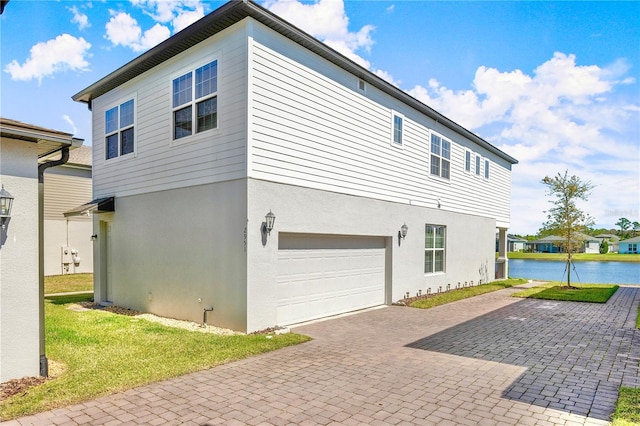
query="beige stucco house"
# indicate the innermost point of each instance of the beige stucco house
(68, 247)
(23, 150)
(201, 141)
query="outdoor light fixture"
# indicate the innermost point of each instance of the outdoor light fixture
(403, 231)
(270, 219)
(6, 200)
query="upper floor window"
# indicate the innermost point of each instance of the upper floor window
(467, 161)
(119, 123)
(440, 156)
(486, 169)
(195, 101)
(478, 165)
(434, 248)
(397, 128)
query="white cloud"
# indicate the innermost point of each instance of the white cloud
(64, 53)
(74, 129)
(327, 21)
(179, 13)
(79, 18)
(124, 30)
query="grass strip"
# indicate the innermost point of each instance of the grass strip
(464, 293)
(103, 353)
(68, 283)
(628, 408)
(578, 257)
(592, 293)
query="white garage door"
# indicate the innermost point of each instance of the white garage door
(320, 275)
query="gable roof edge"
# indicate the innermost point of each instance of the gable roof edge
(232, 13)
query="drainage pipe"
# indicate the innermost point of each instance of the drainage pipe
(204, 315)
(44, 363)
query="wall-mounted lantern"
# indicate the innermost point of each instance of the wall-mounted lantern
(270, 220)
(6, 200)
(403, 231)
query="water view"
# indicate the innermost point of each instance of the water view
(582, 272)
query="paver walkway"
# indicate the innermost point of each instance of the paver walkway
(490, 360)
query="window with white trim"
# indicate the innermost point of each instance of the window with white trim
(397, 125)
(486, 169)
(440, 156)
(467, 161)
(119, 125)
(434, 248)
(478, 165)
(195, 101)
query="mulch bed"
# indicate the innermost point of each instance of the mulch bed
(16, 386)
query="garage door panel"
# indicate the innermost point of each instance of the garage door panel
(335, 275)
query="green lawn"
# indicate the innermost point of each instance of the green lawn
(594, 293)
(464, 293)
(578, 257)
(628, 408)
(104, 352)
(68, 283)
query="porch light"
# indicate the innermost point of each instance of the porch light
(403, 231)
(6, 200)
(270, 219)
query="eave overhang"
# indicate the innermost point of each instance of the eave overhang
(234, 12)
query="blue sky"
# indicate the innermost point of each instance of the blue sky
(554, 84)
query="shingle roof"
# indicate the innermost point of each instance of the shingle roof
(631, 240)
(81, 155)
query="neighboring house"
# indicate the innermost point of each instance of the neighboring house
(22, 147)
(611, 239)
(515, 243)
(555, 244)
(629, 246)
(68, 248)
(201, 141)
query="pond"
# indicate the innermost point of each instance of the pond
(582, 272)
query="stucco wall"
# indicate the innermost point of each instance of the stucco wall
(19, 323)
(75, 234)
(176, 252)
(470, 240)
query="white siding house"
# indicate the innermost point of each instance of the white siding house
(242, 114)
(23, 150)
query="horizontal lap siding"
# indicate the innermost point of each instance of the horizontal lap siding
(160, 163)
(311, 126)
(63, 192)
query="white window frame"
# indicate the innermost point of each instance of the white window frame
(433, 249)
(486, 168)
(362, 85)
(396, 115)
(439, 156)
(120, 128)
(478, 165)
(468, 160)
(194, 101)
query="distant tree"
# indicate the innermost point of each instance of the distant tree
(604, 247)
(565, 219)
(624, 225)
(636, 227)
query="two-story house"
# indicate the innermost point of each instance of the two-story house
(245, 167)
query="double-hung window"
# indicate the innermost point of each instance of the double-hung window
(195, 101)
(486, 169)
(467, 161)
(478, 165)
(119, 123)
(440, 157)
(397, 125)
(434, 248)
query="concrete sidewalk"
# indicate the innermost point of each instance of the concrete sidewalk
(489, 360)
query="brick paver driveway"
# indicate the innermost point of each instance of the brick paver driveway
(488, 360)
